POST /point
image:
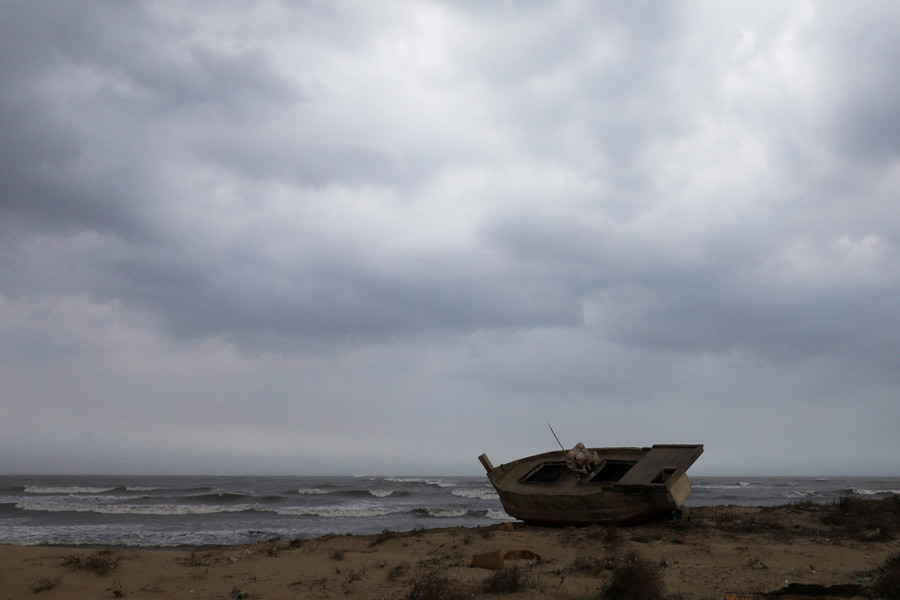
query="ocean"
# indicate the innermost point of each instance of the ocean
(183, 511)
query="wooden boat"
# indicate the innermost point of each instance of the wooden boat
(623, 485)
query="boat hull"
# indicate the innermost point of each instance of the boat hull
(632, 485)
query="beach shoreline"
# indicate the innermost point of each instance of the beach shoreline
(714, 552)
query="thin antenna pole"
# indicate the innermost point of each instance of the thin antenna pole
(557, 438)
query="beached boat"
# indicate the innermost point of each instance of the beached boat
(611, 486)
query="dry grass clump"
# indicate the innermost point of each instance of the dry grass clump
(238, 594)
(592, 565)
(634, 578)
(193, 560)
(887, 582)
(102, 562)
(433, 585)
(397, 571)
(875, 520)
(504, 581)
(337, 554)
(44, 584)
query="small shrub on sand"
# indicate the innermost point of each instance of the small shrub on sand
(337, 554)
(591, 565)
(354, 576)
(433, 585)
(102, 562)
(44, 584)
(634, 578)
(397, 572)
(875, 520)
(504, 581)
(887, 583)
(117, 590)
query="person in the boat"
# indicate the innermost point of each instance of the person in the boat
(581, 460)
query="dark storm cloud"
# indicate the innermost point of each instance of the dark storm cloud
(646, 299)
(337, 299)
(414, 212)
(107, 109)
(100, 95)
(862, 84)
(112, 107)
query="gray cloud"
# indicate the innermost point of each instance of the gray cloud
(346, 225)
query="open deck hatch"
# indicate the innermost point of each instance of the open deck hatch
(548, 472)
(664, 475)
(612, 471)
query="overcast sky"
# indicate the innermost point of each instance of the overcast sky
(338, 237)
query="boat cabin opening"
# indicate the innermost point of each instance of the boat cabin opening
(664, 476)
(548, 472)
(612, 471)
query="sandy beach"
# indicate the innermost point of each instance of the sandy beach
(715, 552)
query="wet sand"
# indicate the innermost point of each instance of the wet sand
(716, 552)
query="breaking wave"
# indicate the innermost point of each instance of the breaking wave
(442, 513)
(801, 494)
(434, 482)
(76, 489)
(376, 492)
(137, 509)
(722, 486)
(479, 494)
(295, 511)
(867, 492)
(333, 512)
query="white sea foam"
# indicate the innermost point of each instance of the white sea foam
(311, 491)
(476, 494)
(332, 512)
(381, 493)
(86, 500)
(133, 509)
(865, 492)
(55, 536)
(67, 490)
(106, 499)
(721, 486)
(446, 512)
(498, 515)
(434, 482)
(801, 494)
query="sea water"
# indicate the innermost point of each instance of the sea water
(155, 511)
